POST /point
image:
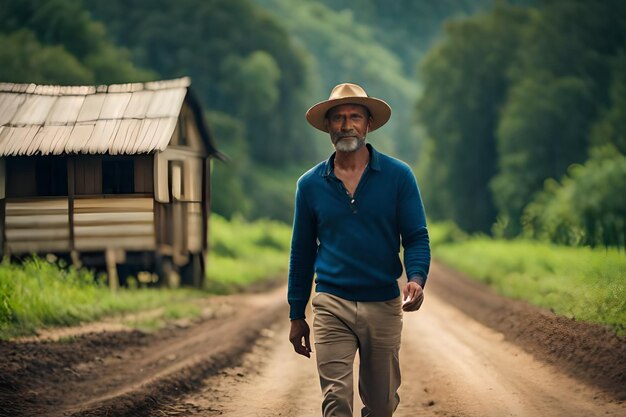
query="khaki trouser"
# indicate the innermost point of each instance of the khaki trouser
(373, 328)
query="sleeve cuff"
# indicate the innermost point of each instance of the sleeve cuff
(296, 310)
(420, 280)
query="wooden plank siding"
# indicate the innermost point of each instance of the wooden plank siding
(116, 223)
(40, 225)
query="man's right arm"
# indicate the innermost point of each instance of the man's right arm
(301, 263)
(302, 257)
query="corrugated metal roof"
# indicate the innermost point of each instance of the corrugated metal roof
(115, 119)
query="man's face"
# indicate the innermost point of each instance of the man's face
(348, 125)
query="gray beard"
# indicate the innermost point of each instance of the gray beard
(349, 144)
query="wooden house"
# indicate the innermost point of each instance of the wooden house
(107, 175)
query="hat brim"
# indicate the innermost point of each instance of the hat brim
(379, 111)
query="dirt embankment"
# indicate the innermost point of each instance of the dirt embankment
(133, 373)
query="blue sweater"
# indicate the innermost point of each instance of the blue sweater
(353, 244)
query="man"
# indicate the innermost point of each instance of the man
(351, 213)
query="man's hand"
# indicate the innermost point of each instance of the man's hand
(413, 296)
(300, 330)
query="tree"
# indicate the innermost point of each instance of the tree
(25, 60)
(610, 127)
(465, 85)
(61, 44)
(560, 85)
(542, 131)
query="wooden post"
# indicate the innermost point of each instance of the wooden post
(3, 249)
(111, 262)
(206, 212)
(71, 183)
(206, 203)
(2, 206)
(75, 256)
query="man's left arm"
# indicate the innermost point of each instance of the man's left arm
(414, 233)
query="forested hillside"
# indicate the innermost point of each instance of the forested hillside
(511, 113)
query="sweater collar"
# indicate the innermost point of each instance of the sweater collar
(374, 163)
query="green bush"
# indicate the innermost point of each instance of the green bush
(587, 208)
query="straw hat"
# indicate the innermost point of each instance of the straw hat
(349, 94)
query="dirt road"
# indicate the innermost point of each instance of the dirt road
(468, 352)
(451, 366)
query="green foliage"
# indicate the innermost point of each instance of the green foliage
(228, 179)
(513, 98)
(407, 27)
(56, 41)
(41, 294)
(25, 60)
(574, 38)
(582, 283)
(245, 253)
(610, 129)
(561, 83)
(465, 84)
(550, 217)
(246, 189)
(274, 191)
(543, 129)
(254, 77)
(588, 207)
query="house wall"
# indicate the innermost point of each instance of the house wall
(99, 224)
(34, 223)
(114, 223)
(37, 225)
